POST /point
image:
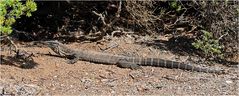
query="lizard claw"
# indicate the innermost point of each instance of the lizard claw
(131, 66)
(71, 61)
(135, 66)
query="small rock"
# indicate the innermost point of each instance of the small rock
(71, 86)
(104, 80)
(27, 89)
(228, 81)
(87, 82)
(113, 92)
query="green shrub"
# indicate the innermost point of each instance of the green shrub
(175, 5)
(208, 45)
(10, 10)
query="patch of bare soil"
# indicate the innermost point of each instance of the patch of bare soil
(53, 76)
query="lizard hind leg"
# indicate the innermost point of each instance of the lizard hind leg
(125, 64)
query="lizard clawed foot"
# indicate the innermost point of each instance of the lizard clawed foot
(135, 66)
(71, 61)
(131, 66)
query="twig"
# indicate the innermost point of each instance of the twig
(8, 40)
(119, 9)
(223, 36)
(3, 37)
(101, 17)
(14, 45)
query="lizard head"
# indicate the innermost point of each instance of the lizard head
(52, 44)
(57, 47)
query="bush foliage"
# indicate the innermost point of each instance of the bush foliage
(208, 44)
(10, 10)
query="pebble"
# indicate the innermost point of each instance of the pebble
(228, 81)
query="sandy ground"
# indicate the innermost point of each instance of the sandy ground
(53, 76)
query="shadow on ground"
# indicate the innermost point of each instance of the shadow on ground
(17, 62)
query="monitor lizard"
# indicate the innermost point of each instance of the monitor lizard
(120, 60)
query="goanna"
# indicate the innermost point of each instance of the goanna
(121, 61)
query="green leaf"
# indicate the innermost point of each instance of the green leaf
(10, 10)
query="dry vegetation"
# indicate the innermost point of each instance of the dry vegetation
(94, 21)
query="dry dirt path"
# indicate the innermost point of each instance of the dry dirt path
(53, 76)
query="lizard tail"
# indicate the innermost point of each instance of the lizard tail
(172, 64)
